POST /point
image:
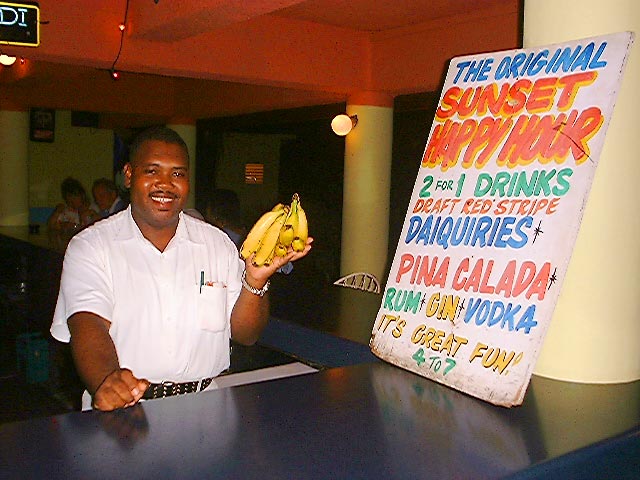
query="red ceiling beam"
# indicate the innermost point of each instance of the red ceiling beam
(174, 20)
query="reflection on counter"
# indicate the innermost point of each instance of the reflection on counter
(127, 427)
(555, 419)
(410, 406)
(160, 440)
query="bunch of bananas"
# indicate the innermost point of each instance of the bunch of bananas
(282, 227)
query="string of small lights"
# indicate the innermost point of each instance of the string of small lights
(115, 74)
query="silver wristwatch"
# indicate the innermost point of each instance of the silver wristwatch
(256, 291)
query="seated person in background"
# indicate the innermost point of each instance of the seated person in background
(106, 198)
(223, 211)
(74, 213)
(151, 297)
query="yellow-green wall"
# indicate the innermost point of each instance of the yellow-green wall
(81, 152)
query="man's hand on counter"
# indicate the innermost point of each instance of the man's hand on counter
(120, 389)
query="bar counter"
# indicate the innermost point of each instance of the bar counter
(355, 417)
(371, 420)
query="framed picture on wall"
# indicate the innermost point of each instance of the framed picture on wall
(42, 124)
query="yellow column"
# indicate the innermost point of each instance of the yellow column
(187, 130)
(14, 171)
(367, 172)
(594, 335)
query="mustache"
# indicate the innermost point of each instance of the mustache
(163, 193)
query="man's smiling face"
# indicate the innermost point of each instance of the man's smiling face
(158, 178)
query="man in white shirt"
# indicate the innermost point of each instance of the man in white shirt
(150, 297)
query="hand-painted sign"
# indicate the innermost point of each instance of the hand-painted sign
(19, 24)
(495, 212)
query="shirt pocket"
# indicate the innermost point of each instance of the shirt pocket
(212, 307)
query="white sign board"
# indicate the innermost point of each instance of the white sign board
(495, 212)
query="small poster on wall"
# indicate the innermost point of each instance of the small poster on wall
(495, 213)
(42, 124)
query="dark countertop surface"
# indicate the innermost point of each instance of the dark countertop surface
(371, 420)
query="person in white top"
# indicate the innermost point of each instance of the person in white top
(150, 297)
(75, 212)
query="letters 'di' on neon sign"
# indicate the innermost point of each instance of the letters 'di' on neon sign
(19, 24)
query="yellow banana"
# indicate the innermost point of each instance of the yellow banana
(286, 235)
(297, 245)
(265, 251)
(303, 227)
(280, 250)
(269, 258)
(292, 221)
(302, 232)
(257, 232)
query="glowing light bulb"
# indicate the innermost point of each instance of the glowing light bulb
(7, 60)
(343, 124)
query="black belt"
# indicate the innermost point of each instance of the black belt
(169, 389)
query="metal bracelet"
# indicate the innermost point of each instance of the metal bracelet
(259, 292)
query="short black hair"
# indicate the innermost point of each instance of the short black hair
(160, 133)
(110, 185)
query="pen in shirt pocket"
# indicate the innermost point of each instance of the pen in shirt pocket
(209, 283)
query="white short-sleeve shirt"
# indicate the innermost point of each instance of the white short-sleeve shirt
(164, 324)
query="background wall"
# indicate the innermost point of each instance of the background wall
(82, 152)
(239, 149)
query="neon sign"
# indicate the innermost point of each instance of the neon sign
(19, 24)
